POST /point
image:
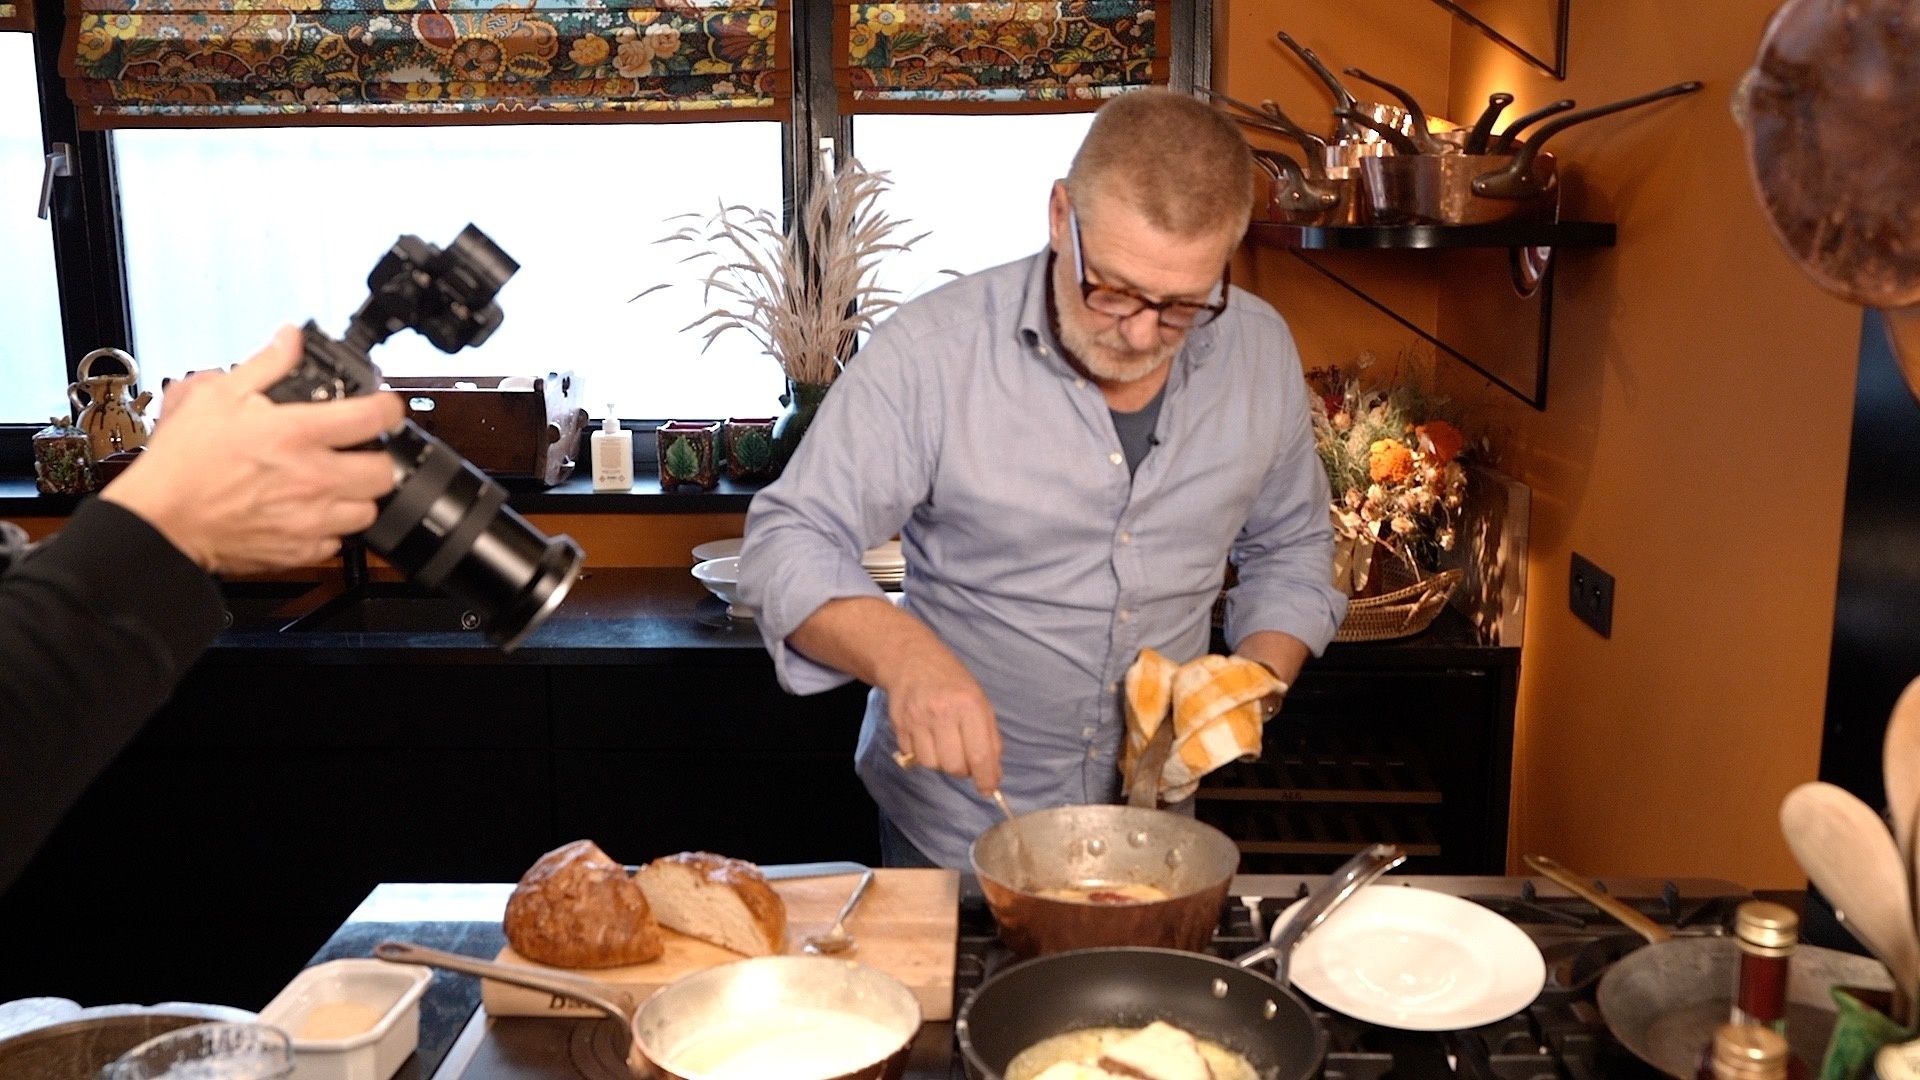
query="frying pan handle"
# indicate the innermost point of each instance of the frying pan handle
(1503, 142)
(1307, 140)
(1359, 872)
(1296, 195)
(1477, 138)
(1394, 138)
(1628, 917)
(1517, 181)
(1421, 136)
(1342, 97)
(608, 1000)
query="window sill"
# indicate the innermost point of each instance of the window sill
(19, 498)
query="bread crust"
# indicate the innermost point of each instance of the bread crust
(578, 908)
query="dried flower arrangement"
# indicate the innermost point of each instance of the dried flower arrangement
(1394, 465)
(804, 294)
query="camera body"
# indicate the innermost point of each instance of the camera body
(446, 524)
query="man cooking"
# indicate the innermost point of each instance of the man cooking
(1070, 446)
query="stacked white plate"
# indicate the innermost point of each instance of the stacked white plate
(885, 564)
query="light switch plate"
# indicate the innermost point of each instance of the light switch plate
(1590, 594)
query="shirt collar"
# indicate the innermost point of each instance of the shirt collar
(1035, 329)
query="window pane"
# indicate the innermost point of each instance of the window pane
(232, 233)
(32, 368)
(979, 183)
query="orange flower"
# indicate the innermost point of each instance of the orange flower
(1440, 440)
(1389, 461)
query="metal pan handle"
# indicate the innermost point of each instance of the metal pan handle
(614, 1003)
(1359, 872)
(1628, 917)
(1517, 180)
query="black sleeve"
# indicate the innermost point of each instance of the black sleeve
(96, 627)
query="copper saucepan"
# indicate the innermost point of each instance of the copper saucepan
(1090, 846)
(680, 1027)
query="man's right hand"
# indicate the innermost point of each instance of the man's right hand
(240, 484)
(942, 717)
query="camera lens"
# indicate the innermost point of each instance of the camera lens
(447, 527)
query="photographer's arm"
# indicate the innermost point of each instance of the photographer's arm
(97, 625)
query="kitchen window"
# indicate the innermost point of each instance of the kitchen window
(32, 378)
(190, 244)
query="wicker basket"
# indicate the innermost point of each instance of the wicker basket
(1408, 608)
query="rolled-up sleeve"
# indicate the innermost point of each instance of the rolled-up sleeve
(866, 462)
(1284, 553)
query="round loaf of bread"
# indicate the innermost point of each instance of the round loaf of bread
(577, 908)
(716, 899)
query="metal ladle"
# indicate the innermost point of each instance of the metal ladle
(837, 940)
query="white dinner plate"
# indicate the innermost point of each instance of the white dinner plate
(718, 549)
(1418, 960)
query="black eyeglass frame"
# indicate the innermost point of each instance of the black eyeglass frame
(1202, 313)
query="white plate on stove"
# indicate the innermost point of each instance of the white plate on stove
(1418, 960)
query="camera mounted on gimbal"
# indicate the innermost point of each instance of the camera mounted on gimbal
(446, 524)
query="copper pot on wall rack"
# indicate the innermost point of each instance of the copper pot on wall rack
(1437, 189)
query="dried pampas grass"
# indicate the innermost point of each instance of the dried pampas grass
(805, 295)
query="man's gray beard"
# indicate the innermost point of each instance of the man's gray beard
(1100, 361)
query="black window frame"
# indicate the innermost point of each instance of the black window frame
(90, 258)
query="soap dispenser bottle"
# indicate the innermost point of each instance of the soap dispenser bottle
(612, 456)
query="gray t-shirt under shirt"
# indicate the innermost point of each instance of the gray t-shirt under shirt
(1136, 430)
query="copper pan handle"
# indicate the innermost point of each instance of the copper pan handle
(1628, 917)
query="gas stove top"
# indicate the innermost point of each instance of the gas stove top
(1560, 1037)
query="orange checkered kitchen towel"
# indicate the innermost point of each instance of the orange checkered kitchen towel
(1217, 705)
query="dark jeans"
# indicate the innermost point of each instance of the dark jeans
(896, 849)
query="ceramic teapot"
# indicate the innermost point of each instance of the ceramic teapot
(112, 417)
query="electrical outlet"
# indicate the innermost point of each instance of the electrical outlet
(1590, 594)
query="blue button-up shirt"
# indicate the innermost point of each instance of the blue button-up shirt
(1030, 551)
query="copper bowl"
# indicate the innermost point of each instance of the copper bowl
(1090, 846)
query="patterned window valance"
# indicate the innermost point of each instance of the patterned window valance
(215, 63)
(997, 55)
(16, 15)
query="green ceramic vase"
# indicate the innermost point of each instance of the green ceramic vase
(802, 401)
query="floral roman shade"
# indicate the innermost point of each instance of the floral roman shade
(997, 55)
(214, 63)
(16, 15)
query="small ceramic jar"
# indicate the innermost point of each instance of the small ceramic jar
(63, 460)
(748, 445)
(687, 453)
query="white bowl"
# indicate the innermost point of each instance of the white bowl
(722, 579)
(385, 995)
(718, 549)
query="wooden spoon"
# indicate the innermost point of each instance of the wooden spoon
(1900, 758)
(1846, 849)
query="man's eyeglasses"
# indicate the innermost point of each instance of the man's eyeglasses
(1118, 303)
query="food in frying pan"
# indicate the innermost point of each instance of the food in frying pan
(1159, 1051)
(716, 899)
(1106, 893)
(789, 1044)
(577, 908)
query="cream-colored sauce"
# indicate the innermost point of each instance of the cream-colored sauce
(338, 1020)
(794, 1044)
(1106, 893)
(1086, 1045)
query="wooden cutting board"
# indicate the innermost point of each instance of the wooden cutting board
(908, 926)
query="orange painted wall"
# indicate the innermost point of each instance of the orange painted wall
(1695, 447)
(1695, 444)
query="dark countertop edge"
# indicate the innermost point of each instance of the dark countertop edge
(19, 497)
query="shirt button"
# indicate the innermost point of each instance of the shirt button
(1093, 755)
(1076, 382)
(1125, 615)
(1126, 538)
(1113, 688)
(1116, 457)
(1087, 732)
